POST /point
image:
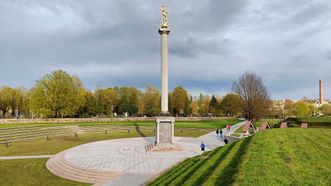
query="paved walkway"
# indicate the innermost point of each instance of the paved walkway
(24, 157)
(126, 161)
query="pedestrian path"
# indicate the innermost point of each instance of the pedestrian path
(24, 157)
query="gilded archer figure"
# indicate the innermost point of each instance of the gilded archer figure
(164, 21)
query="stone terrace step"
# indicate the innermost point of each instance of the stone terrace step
(35, 135)
(60, 167)
(22, 133)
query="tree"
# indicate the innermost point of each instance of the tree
(90, 108)
(57, 95)
(194, 107)
(128, 100)
(134, 100)
(213, 105)
(7, 100)
(23, 99)
(302, 108)
(289, 108)
(232, 104)
(254, 94)
(326, 109)
(107, 101)
(152, 101)
(141, 103)
(203, 105)
(180, 101)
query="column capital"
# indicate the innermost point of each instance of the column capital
(164, 31)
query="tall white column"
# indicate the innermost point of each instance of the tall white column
(164, 70)
(164, 122)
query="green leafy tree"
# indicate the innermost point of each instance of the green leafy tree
(90, 107)
(23, 99)
(302, 109)
(7, 100)
(141, 103)
(326, 109)
(128, 101)
(203, 105)
(232, 104)
(152, 101)
(213, 105)
(194, 106)
(107, 101)
(180, 101)
(289, 108)
(57, 95)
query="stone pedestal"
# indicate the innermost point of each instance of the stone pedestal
(164, 130)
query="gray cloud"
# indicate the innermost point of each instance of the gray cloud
(115, 43)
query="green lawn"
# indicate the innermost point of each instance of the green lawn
(219, 123)
(287, 157)
(275, 157)
(30, 172)
(60, 143)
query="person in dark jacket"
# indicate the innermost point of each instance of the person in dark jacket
(226, 141)
(203, 147)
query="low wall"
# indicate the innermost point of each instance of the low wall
(80, 120)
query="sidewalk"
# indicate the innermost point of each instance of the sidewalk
(24, 157)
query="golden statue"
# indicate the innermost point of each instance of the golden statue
(164, 20)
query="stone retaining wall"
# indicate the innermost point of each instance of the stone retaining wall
(79, 120)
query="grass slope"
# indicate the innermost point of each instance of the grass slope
(271, 122)
(316, 121)
(287, 157)
(274, 157)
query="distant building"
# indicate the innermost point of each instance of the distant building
(278, 104)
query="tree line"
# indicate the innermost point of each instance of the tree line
(302, 108)
(60, 94)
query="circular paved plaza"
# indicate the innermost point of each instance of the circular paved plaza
(119, 161)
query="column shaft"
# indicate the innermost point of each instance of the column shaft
(164, 73)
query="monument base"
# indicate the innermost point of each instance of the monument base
(167, 148)
(164, 130)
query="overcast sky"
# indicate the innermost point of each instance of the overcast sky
(211, 43)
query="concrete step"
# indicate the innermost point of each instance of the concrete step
(77, 174)
(60, 167)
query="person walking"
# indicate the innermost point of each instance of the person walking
(203, 147)
(221, 133)
(217, 132)
(226, 141)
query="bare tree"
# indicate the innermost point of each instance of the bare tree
(251, 89)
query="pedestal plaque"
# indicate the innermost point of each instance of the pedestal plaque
(164, 130)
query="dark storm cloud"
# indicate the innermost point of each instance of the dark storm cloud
(212, 42)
